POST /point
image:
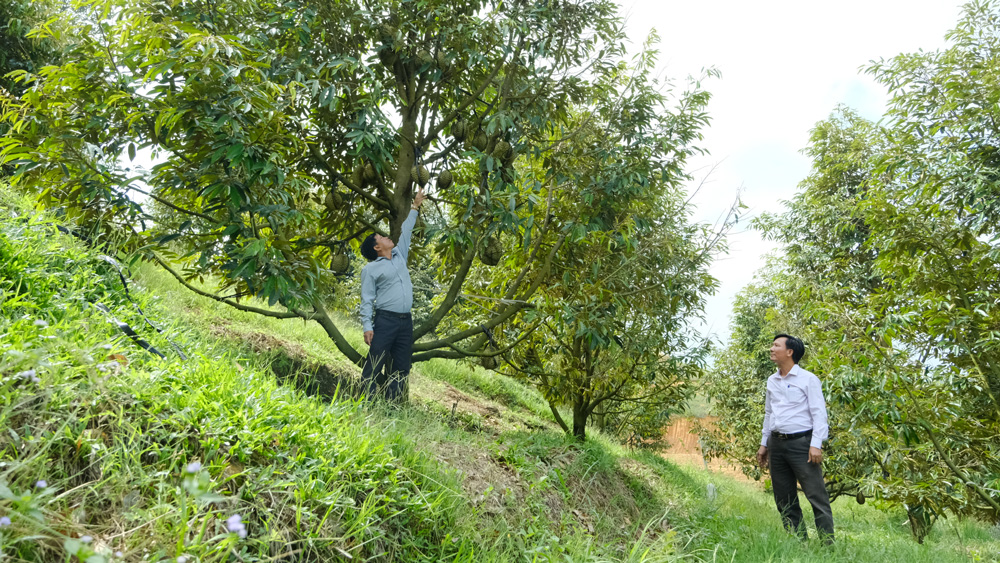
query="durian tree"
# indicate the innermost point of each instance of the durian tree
(282, 132)
(609, 331)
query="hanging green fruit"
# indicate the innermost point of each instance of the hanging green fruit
(860, 498)
(492, 252)
(420, 175)
(458, 130)
(444, 180)
(480, 140)
(370, 174)
(501, 150)
(388, 56)
(488, 362)
(339, 263)
(386, 32)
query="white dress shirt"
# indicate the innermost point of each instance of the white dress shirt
(794, 403)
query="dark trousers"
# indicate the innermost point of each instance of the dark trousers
(388, 363)
(789, 462)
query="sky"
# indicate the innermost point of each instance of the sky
(785, 65)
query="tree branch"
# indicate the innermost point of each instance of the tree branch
(233, 304)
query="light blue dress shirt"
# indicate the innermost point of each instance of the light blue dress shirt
(385, 282)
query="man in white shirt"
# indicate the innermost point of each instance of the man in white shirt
(795, 427)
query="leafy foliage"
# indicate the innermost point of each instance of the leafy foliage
(891, 256)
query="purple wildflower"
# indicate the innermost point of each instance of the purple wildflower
(235, 524)
(86, 539)
(4, 522)
(41, 483)
(193, 467)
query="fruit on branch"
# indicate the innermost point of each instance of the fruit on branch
(480, 140)
(420, 175)
(492, 252)
(458, 130)
(339, 263)
(445, 179)
(388, 56)
(370, 174)
(488, 362)
(502, 150)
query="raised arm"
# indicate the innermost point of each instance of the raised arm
(403, 246)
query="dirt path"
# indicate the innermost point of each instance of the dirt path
(684, 449)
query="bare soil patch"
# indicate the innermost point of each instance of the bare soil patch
(683, 448)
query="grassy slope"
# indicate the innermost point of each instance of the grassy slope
(320, 480)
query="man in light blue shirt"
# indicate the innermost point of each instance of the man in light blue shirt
(386, 300)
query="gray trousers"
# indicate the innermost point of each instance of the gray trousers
(789, 462)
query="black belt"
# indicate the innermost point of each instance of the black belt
(392, 314)
(791, 436)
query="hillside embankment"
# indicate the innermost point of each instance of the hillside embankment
(243, 442)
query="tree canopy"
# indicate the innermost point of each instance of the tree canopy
(283, 132)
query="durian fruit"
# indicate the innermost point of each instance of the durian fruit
(386, 32)
(492, 252)
(445, 179)
(488, 362)
(420, 175)
(388, 56)
(442, 60)
(502, 150)
(357, 177)
(480, 140)
(458, 130)
(333, 200)
(339, 263)
(860, 498)
(424, 56)
(370, 174)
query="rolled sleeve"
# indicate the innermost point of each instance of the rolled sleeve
(817, 408)
(367, 298)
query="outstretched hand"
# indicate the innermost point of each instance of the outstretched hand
(419, 198)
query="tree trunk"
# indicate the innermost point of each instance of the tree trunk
(580, 414)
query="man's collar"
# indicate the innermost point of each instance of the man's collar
(794, 371)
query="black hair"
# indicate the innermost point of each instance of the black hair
(368, 248)
(794, 344)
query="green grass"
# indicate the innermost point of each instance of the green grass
(151, 458)
(743, 525)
